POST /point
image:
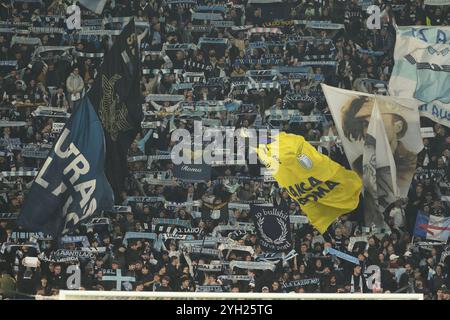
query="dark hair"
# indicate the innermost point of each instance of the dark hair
(352, 126)
(395, 118)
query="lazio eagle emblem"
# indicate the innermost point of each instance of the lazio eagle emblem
(305, 161)
(113, 113)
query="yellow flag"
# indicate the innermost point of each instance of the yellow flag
(324, 189)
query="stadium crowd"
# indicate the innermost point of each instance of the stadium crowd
(364, 60)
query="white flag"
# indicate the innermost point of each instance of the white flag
(385, 149)
(96, 6)
(379, 171)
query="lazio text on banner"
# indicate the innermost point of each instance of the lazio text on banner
(72, 184)
(324, 189)
(422, 70)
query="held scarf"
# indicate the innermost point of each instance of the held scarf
(144, 199)
(235, 277)
(167, 236)
(51, 259)
(210, 267)
(8, 216)
(207, 242)
(177, 222)
(236, 247)
(8, 63)
(252, 265)
(163, 229)
(240, 226)
(300, 283)
(139, 235)
(185, 230)
(211, 288)
(276, 256)
(120, 209)
(75, 239)
(203, 251)
(354, 240)
(30, 235)
(342, 255)
(65, 253)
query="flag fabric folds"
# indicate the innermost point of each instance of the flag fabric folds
(117, 98)
(324, 189)
(72, 184)
(381, 139)
(96, 6)
(432, 227)
(272, 228)
(421, 70)
(379, 171)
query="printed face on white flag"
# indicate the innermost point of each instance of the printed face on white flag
(352, 111)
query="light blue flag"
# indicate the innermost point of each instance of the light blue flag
(421, 70)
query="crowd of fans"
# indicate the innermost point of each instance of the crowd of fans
(57, 79)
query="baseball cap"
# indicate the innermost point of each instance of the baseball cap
(393, 257)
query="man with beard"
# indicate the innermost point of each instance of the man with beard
(357, 281)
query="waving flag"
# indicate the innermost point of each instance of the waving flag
(324, 189)
(117, 98)
(381, 138)
(96, 6)
(421, 70)
(379, 171)
(432, 227)
(71, 184)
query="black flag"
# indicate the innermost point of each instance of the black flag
(272, 227)
(117, 98)
(192, 172)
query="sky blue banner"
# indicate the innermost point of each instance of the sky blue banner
(342, 255)
(422, 70)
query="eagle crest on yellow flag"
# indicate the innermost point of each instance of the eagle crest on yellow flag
(324, 189)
